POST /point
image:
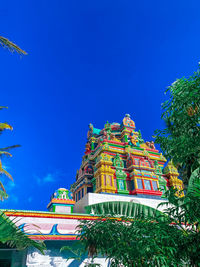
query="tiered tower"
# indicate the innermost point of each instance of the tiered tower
(61, 201)
(118, 161)
(171, 174)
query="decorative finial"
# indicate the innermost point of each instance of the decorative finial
(128, 122)
(91, 127)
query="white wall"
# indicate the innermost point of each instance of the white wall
(79, 206)
(94, 198)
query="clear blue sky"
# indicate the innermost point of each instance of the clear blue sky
(88, 61)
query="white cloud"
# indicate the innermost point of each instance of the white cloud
(48, 178)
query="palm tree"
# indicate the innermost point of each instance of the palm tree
(10, 234)
(3, 172)
(4, 152)
(4, 42)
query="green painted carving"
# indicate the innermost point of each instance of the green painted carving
(117, 162)
(107, 127)
(96, 130)
(140, 140)
(94, 184)
(158, 169)
(106, 146)
(93, 139)
(162, 182)
(62, 193)
(120, 175)
(126, 138)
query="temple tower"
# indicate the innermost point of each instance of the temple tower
(118, 161)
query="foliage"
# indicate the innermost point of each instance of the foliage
(180, 140)
(194, 184)
(75, 250)
(151, 239)
(11, 46)
(78, 253)
(10, 234)
(131, 243)
(4, 152)
(123, 208)
(13, 237)
(169, 240)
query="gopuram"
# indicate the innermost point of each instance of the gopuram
(117, 161)
(118, 167)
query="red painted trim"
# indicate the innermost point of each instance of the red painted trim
(50, 237)
(88, 152)
(151, 184)
(153, 150)
(62, 201)
(143, 183)
(53, 216)
(114, 154)
(136, 156)
(114, 142)
(161, 163)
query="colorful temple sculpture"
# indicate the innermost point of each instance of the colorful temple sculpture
(61, 201)
(118, 169)
(118, 161)
(171, 174)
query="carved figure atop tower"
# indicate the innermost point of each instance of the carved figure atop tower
(128, 122)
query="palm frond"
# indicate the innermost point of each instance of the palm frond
(12, 236)
(11, 46)
(4, 126)
(9, 147)
(127, 209)
(194, 184)
(5, 153)
(2, 187)
(3, 195)
(4, 172)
